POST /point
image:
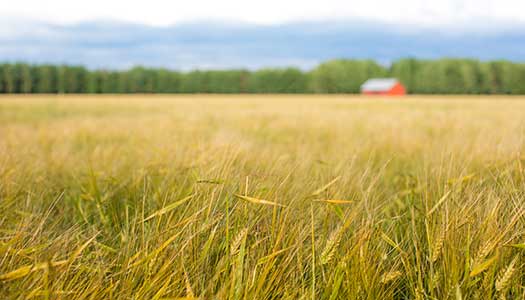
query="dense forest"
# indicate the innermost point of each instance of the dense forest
(444, 76)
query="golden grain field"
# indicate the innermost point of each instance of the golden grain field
(261, 197)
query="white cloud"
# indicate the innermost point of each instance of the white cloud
(164, 12)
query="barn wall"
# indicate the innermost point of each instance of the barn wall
(398, 89)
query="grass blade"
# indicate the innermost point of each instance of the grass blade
(481, 267)
(259, 201)
(325, 187)
(335, 201)
(168, 208)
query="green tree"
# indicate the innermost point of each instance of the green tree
(194, 82)
(167, 81)
(289, 80)
(26, 81)
(61, 79)
(74, 79)
(46, 79)
(407, 70)
(344, 76)
(2, 78)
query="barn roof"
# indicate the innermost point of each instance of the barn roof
(379, 84)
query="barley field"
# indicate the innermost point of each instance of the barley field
(262, 197)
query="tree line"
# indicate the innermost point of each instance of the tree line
(444, 76)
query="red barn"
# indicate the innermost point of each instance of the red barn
(383, 86)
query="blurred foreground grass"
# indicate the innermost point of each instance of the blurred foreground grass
(261, 197)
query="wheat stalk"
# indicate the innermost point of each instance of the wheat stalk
(438, 245)
(504, 277)
(331, 246)
(237, 241)
(390, 276)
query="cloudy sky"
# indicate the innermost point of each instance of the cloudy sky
(169, 12)
(218, 34)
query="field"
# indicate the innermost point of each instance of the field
(262, 197)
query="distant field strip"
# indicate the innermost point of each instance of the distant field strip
(262, 197)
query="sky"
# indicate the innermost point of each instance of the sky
(166, 12)
(222, 34)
